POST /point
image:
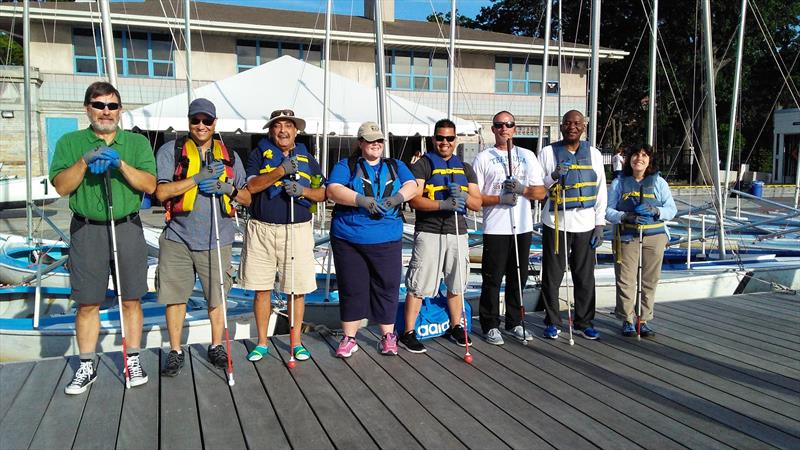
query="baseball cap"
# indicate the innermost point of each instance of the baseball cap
(370, 131)
(202, 106)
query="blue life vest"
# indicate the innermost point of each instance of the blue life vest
(386, 184)
(635, 193)
(272, 157)
(580, 183)
(443, 173)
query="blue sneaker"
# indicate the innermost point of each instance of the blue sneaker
(589, 333)
(628, 330)
(646, 331)
(551, 332)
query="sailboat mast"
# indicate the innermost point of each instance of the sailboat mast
(326, 91)
(593, 87)
(560, 61)
(381, 75)
(545, 61)
(451, 70)
(108, 43)
(651, 113)
(734, 103)
(26, 93)
(187, 39)
(711, 104)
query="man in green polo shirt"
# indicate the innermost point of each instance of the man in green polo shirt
(79, 164)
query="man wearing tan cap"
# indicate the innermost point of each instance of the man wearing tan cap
(284, 179)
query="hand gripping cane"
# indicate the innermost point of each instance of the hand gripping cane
(116, 279)
(509, 146)
(566, 260)
(209, 160)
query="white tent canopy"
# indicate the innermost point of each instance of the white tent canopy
(245, 100)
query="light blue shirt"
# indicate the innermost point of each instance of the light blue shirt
(666, 211)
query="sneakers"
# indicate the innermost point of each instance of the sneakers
(411, 343)
(388, 344)
(551, 332)
(589, 333)
(646, 331)
(456, 334)
(257, 353)
(217, 356)
(347, 346)
(136, 372)
(628, 330)
(84, 376)
(493, 337)
(174, 364)
(300, 353)
(516, 333)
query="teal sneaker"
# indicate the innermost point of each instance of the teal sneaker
(300, 353)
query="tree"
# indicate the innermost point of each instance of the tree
(10, 51)
(462, 21)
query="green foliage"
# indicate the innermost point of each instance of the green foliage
(10, 51)
(462, 21)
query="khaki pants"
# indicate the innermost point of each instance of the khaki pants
(626, 270)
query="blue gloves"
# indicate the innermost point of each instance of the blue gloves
(561, 169)
(92, 154)
(597, 236)
(644, 209)
(514, 185)
(212, 186)
(391, 202)
(452, 204)
(101, 159)
(209, 172)
(456, 191)
(293, 189)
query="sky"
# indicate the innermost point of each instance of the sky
(403, 9)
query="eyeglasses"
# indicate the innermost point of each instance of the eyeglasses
(440, 138)
(112, 106)
(281, 112)
(508, 124)
(208, 121)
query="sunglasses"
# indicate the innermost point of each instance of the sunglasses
(440, 138)
(208, 121)
(281, 112)
(499, 125)
(112, 106)
(379, 141)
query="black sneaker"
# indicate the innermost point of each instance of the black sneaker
(84, 376)
(411, 343)
(136, 372)
(456, 334)
(217, 356)
(174, 364)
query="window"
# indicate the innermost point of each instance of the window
(416, 71)
(522, 76)
(138, 53)
(252, 53)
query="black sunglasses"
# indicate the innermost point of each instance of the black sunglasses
(508, 124)
(440, 138)
(379, 141)
(208, 121)
(112, 106)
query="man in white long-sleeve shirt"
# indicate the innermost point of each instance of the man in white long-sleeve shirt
(575, 176)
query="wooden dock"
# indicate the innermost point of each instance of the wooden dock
(721, 373)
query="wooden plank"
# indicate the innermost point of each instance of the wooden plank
(299, 423)
(17, 428)
(707, 374)
(763, 305)
(179, 421)
(358, 397)
(778, 299)
(589, 358)
(219, 422)
(469, 425)
(12, 377)
(138, 424)
(60, 421)
(409, 412)
(341, 425)
(735, 317)
(557, 364)
(260, 424)
(100, 421)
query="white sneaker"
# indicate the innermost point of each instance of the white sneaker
(493, 337)
(516, 332)
(84, 376)
(136, 372)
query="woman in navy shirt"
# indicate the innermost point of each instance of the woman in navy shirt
(366, 237)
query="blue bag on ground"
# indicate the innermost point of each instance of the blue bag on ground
(433, 319)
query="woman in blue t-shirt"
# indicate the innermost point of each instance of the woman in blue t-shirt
(366, 237)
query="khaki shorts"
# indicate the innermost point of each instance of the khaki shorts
(177, 266)
(436, 255)
(268, 252)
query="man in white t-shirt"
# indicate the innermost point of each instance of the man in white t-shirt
(504, 196)
(575, 168)
(617, 161)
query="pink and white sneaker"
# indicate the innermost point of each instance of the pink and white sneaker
(388, 344)
(347, 346)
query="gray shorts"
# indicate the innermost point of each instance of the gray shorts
(91, 260)
(435, 255)
(178, 267)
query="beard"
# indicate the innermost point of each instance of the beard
(103, 127)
